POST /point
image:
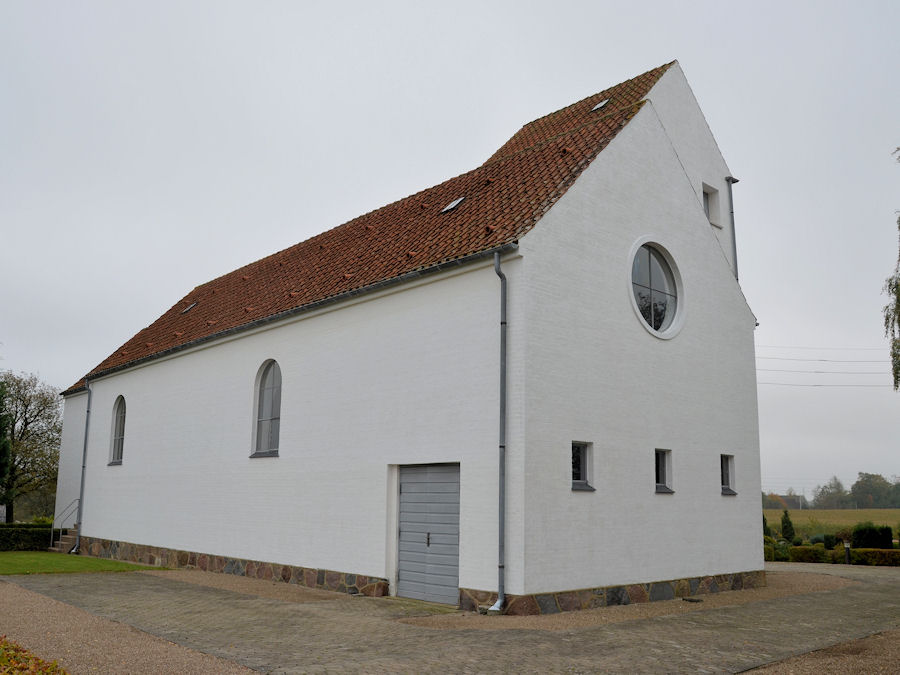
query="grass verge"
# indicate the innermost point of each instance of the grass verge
(40, 562)
(821, 521)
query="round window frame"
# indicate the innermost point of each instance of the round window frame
(680, 310)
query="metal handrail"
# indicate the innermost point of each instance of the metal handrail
(66, 511)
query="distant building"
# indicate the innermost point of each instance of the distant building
(330, 414)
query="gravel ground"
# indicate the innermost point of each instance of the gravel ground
(84, 643)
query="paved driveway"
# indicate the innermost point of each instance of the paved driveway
(363, 634)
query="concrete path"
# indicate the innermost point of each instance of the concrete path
(363, 634)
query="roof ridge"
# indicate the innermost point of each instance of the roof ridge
(631, 107)
(663, 68)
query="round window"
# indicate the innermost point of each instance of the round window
(654, 288)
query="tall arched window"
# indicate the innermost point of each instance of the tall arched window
(268, 410)
(118, 434)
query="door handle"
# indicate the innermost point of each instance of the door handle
(428, 539)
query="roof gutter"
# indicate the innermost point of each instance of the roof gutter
(318, 304)
(731, 180)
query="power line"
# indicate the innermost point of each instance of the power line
(782, 358)
(785, 384)
(849, 349)
(818, 372)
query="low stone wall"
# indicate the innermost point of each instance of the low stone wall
(342, 582)
(589, 598)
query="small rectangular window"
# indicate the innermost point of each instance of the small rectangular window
(581, 466)
(664, 471)
(726, 463)
(711, 205)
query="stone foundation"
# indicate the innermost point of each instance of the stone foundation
(329, 580)
(589, 598)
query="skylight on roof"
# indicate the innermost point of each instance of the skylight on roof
(600, 105)
(189, 308)
(452, 205)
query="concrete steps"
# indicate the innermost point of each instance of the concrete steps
(65, 542)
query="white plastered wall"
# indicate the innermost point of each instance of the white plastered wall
(595, 374)
(696, 148)
(68, 480)
(402, 377)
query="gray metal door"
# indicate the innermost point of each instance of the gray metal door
(428, 561)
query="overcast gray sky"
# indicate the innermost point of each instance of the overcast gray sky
(146, 148)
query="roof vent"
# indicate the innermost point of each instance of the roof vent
(452, 205)
(600, 105)
(189, 308)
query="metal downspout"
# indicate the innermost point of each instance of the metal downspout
(731, 180)
(87, 424)
(501, 525)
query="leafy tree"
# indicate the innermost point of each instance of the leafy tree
(871, 491)
(787, 527)
(5, 443)
(32, 410)
(832, 495)
(892, 312)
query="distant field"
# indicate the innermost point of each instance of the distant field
(822, 521)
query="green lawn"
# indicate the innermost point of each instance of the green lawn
(40, 562)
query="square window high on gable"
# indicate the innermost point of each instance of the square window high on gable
(711, 206)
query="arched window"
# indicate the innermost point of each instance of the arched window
(268, 410)
(118, 434)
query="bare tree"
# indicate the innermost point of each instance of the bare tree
(892, 312)
(32, 411)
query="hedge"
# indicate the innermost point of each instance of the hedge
(875, 556)
(807, 554)
(46, 526)
(25, 538)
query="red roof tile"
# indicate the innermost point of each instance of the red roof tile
(504, 198)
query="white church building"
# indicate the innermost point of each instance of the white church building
(535, 380)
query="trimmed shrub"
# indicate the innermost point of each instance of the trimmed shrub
(817, 539)
(875, 556)
(797, 541)
(781, 549)
(830, 540)
(806, 554)
(769, 553)
(869, 535)
(787, 527)
(24, 538)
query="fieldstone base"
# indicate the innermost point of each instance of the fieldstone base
(342, 582)
(588, 598)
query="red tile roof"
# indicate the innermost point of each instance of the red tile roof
(504, 198)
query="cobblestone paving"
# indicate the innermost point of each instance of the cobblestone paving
(363, 635)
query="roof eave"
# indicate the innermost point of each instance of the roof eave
(507, 247)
